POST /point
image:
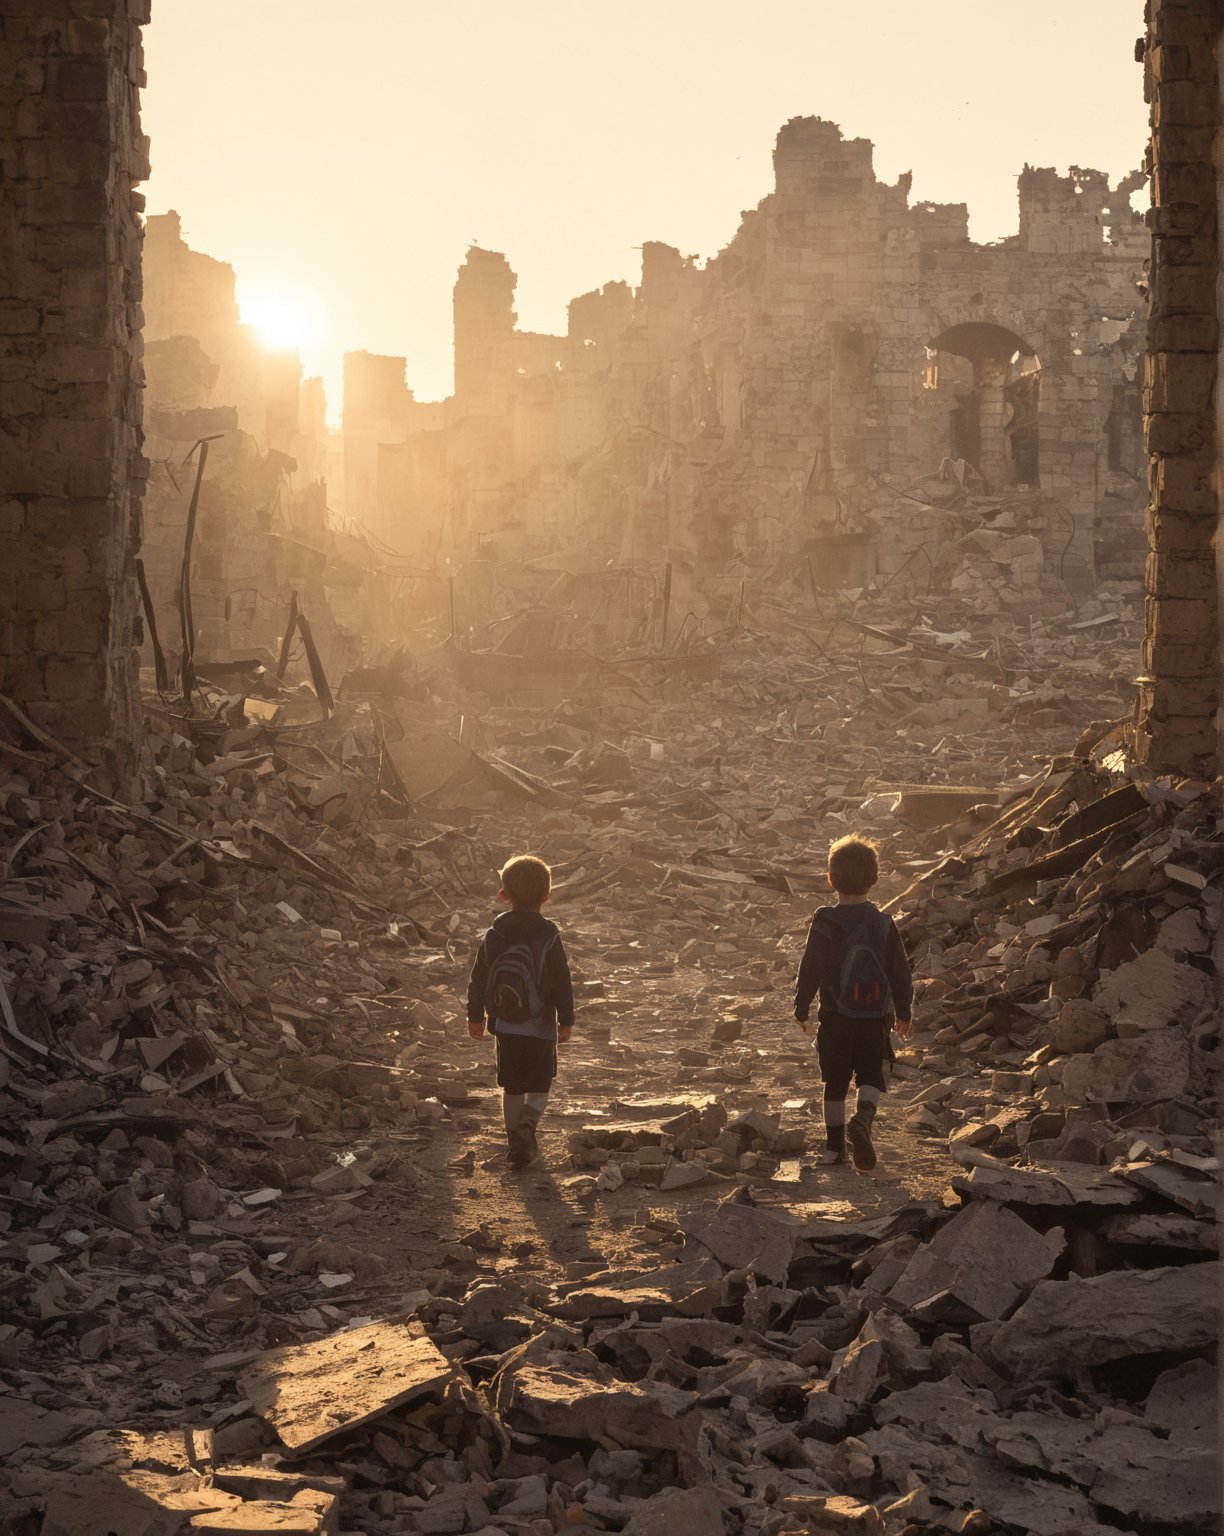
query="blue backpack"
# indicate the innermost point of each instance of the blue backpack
(515, 978)
(861, 988)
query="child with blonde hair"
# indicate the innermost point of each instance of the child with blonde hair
(520, 987)
(855, 961)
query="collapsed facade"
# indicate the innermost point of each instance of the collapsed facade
(780, 402)
(262, 532)
(220, 1038)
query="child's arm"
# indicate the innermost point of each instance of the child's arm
(562, 988)
(811, 969)
(900, 979)
(478, 983)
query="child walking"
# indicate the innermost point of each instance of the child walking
(520, 983)
(855, 959)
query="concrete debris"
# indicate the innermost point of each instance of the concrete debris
(309, 1393)
(977, 1266)
(251, 1169)
(1092, 1319)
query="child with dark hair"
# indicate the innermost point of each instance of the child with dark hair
(520, 983)
(855, 959)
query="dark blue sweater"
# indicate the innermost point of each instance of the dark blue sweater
(816, 969)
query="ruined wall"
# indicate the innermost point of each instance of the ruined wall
(263, 529)
(376, 406)
(784, 400)
(1180, 686)
(71, 471)
(191, 297)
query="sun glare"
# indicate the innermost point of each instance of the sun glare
(279, 323)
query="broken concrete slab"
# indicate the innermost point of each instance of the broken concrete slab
(306, 1514)
(592, 1404)
(1155, 1231)
(678, 1512)
(1185, 1402)
(310, 1392)
(1093, 1320)
(1030, 1504)
(977, 1266)
(1048, 1184)
(689, 1176)
(689, 1289)
(834, 1515)
(1198, 1193)
(23, 1423)
(1153, 990)
(1151, 1066)
(1130, 1472)
(1079, 1027)
(168, 1485)
(746, 1237)
(945, 1411)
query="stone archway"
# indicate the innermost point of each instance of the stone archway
(994, 421)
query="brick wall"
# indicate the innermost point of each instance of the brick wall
(71, 470)
(1180, 686)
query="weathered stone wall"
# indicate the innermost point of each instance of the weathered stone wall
(1180, 686)
(71, 469)
(376, 409)
(781, 400)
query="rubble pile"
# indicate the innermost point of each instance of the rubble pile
(688, 1148)
(229, 1055)
(1073, 950)
(203, 1021)
(937, 1369)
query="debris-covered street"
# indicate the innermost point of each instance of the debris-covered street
(267, 1144)
(611, 914)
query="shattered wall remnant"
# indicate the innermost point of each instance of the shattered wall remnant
(200, 353)
(71, 471)
(783, 398)
(376, 406)
(263, 532)
(1180, 686)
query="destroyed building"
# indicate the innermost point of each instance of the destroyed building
(778, 402)
(263, 1268)
(261, 530)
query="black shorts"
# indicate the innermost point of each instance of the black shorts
(851, 1048)
(525, 1064)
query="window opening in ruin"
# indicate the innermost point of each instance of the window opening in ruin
(994, 423)
(1124, 430)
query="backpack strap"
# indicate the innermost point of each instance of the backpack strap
(825, 922)
(541, 956)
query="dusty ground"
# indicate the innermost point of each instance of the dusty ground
(448, 1202)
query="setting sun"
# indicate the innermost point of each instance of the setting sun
(279, 323)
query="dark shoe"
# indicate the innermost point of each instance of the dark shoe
(861, 1149)
(519, 1151)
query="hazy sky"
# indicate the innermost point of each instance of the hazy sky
(343, 156)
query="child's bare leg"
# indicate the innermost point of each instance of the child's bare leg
(512, 1110)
